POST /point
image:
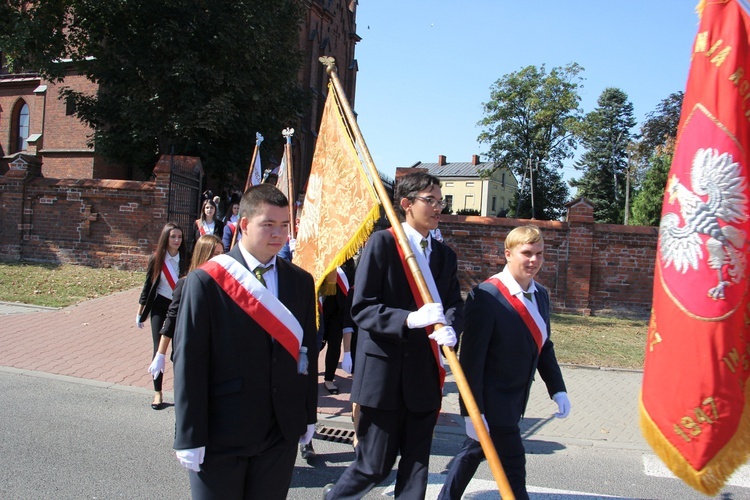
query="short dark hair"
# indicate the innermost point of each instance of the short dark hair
(412, 184)
(258, 195)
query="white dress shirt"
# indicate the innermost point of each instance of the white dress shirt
(271, 277)
(531, 305)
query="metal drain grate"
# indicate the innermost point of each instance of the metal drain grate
(336, 434)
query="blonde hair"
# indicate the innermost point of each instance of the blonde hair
(204, 249)
(523, 235)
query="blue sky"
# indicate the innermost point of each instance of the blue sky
(426, 67)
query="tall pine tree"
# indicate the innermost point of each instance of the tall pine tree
(605, 134)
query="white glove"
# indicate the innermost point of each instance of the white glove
(308, 435)
(157, 365)
(346, 364)
(428, 314)
(563, 404)
(471, 431)
(292, 244)
(138, 321)
(445, 336)
(191, 458)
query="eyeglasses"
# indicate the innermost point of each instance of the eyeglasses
(433, 202)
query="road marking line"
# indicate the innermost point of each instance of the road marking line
(483, 489)
(653, 466)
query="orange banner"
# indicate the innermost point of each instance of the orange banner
(694, 410)
(340, 207)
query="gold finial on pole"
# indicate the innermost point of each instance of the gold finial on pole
(329, 62)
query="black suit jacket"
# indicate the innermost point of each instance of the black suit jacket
(499, 356)
(395, 363)
(232, 382)
(148, 292)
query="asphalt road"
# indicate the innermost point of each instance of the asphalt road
(65, 438)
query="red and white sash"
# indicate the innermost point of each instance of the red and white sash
(169, 274)
(520, 308)
(201, 229)
(430, 281)
(247, 292)
(342, 281)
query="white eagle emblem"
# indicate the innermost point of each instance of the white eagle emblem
(717, 201)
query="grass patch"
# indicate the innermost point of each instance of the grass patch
(61, 285)
(599, 341)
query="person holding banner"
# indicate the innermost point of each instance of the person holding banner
(246, 373)
(167, 264)
(506, 340)
(398, 373)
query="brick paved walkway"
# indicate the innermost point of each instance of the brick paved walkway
(98, 340)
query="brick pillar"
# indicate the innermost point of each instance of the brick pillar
(15, 212)
(580, 250)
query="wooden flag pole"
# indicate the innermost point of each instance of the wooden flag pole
(258, 140)
(288, 133)
(463, 386)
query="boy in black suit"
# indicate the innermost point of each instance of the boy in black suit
(505, 341)
(243, 392)
(397, 373)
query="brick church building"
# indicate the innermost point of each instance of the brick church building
(35, 123)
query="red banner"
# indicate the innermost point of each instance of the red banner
(694, 409)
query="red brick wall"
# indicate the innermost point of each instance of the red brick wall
(588, 267)
(95, 222)
(112, 223)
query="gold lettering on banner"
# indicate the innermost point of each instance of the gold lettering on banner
(701, 42)
(734, 360)
(714, 48)
(690, 426)
(719, 59)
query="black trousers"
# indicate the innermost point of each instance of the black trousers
(158, 315)
(509, 446)
(260, 472)
(383, 435)
(333, 338)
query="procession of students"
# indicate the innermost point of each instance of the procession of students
(246, 353)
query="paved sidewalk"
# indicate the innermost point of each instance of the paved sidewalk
(97, 340)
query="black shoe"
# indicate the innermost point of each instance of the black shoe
(306, 451)
(327, 489)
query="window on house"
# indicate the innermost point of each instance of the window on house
(448, 184)
(494, 204)
(503, 181)
(449, 203)
(469, 184)
(469, 201)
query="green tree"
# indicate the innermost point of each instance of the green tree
(196, 78)
(605, 134)
(658, 133)
(661, 124)
(530, 120)
(647, 203)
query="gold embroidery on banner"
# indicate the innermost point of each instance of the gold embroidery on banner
(701, 42)
(653, 334)
(689, 427)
